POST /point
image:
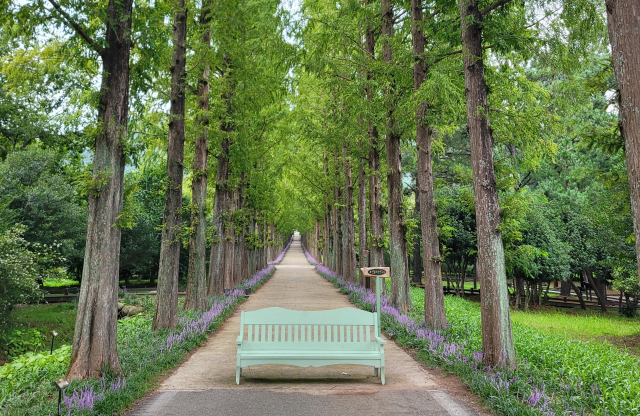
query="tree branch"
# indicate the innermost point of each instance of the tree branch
(494, 6)
(67, 20)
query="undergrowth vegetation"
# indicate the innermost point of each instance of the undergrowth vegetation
(26, 384)
(556, 375)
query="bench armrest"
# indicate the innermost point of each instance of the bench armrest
(380, 341)
(239, 340)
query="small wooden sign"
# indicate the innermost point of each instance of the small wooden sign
(375, 272)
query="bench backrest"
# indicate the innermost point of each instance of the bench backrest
(336, 329)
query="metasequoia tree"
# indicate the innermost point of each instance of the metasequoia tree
(376, 223)
(94, 340)
(497, 338)
(166, 305)
(624, 35)
(348, 236)
(397, 243)
(434, 312)
(197, 274)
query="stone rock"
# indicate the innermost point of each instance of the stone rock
(131, 310)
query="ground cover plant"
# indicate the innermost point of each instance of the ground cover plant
(556, 375)
(26, 384)
(589, 325)
(31, 326)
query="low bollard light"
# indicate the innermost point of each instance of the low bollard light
(60, 383)
(54, 334)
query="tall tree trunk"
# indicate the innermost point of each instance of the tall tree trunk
(336, 226)
(94, 339)
(197, 274)
(434, 312)
(400, 295)
(363, 252)
(228, 242)
(497, 337)
(416, 256)
(349, 236)
(216, 257)
(376, 222)
(624, 35)
(166, 310)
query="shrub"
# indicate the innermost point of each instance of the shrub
(19, 271)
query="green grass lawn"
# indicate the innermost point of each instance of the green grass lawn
(589, 325)
(60, 283)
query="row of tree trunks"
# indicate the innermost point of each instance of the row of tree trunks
(166, 303)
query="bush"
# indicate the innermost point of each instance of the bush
(19, 270)
(16, 342)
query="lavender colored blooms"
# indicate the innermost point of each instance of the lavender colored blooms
(83, 398)
(310, 258)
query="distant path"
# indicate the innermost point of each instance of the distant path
(205, 384)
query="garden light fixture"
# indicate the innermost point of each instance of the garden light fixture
(60, 383)
(54, 334)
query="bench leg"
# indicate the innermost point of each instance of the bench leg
(238, 374)
(382, 375)
(375, 371)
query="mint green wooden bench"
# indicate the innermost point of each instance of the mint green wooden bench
(309, 339)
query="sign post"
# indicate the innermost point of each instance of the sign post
(377, 272)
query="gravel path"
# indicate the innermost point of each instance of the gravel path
(205, 383)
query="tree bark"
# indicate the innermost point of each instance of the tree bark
(497, 337)
(336, 226)
(166, 310)
(376, 223)
(434, 312)
(363, 252)
(624, 35)
(228, 241)
(400, 295)
(218, 256)
(349, 236)
(197, 274)
(94, 347)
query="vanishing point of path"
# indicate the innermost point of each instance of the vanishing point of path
(205, 383)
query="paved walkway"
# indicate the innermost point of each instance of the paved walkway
(205, 384)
